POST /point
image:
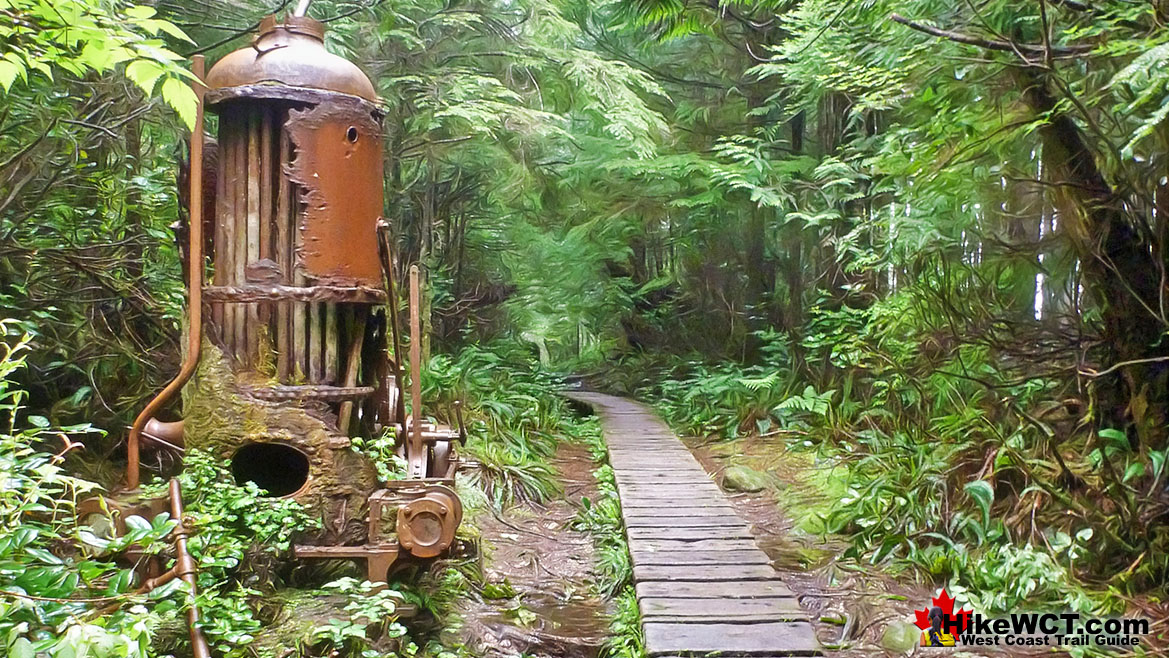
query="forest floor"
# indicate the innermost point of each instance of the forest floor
(544, 572)
(853, 607)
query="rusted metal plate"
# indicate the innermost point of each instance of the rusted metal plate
(272, 293)
(338, 165)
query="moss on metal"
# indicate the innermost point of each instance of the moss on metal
(220, 417)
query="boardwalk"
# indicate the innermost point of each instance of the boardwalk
(703, 586)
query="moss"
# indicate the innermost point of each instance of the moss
(221, 418)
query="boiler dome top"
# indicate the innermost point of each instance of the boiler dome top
(293, 53)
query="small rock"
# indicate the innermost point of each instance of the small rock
(900, 636)
(743, 478)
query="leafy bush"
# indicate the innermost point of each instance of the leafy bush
(55, 575)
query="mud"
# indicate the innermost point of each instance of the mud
(542, 571)
(852, 604)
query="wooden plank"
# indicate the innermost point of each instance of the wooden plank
(726, 609)
(707, 590)
(676, 545)
(688, 558)
(688, 534)
(686, 522)
(241, 230)
(255, 170)
(673, 512)
(285, 220)
(768, 639)
(706, 572)
(703, 586)
(655, 503)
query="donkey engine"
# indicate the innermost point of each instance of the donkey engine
(298, 350)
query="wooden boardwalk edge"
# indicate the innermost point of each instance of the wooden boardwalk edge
(703, 586)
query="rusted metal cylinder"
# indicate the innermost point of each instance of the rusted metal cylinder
(300, 198)
(296, 297)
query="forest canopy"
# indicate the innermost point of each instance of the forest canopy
(925, 242)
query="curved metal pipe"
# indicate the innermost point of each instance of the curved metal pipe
(195, 288)
(169, 435)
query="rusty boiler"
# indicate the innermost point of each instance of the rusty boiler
(295, 350)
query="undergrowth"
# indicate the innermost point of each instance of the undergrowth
(952, 463)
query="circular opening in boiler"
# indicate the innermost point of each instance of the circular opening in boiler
(279, 469)
(351, 135)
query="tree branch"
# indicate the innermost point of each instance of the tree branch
(991, 44)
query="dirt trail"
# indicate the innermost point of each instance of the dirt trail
(533, 550)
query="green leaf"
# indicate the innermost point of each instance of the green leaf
(1134, 470)
(182, 99)
(21, 648)
(9, 71)
(144, 73)
(983, 495)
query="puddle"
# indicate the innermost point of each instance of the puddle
(541, 570)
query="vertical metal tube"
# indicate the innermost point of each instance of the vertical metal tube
(269, 187)
(315, 335)
(194, 287)
(185, 569)
(332, 340)
(417, 456)
(225, 252)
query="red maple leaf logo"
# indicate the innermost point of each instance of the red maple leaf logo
(946, 603)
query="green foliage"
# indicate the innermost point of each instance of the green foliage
(47, 595)
(372, 615)
(627, 639)
(238, 534)
(512, 421)
(83, 36)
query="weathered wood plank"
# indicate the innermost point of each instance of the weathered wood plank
(690, 589)
(686, 522)
(673, 512)
(688, 534)
(703, 585)
(676, 545)
(705, 572)
(745, 557)
(724, 609)
(772, 639)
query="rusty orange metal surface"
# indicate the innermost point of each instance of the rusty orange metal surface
(427, 524)
(339, 165)
(291, 52)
